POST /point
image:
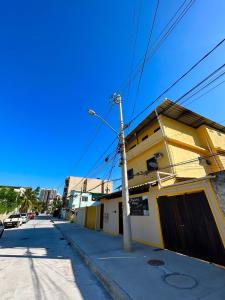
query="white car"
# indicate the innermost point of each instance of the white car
(24, 217)
(13, 221)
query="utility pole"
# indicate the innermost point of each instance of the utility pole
(127, 238)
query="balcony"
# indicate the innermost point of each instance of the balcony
(145, 145)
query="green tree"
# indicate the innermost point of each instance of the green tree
(29, 200)
(9, 200)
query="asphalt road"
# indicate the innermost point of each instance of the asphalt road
(37, 263)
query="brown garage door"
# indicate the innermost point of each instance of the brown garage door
(188, 227)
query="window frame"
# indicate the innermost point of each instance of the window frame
(152, 168)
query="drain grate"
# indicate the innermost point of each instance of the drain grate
(62, 238)
(25, 238)
(156, 262)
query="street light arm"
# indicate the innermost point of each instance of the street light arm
(106, 123)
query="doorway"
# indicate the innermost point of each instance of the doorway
(188, 227)
(120, 218)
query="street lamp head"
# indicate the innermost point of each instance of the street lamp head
(91, 112)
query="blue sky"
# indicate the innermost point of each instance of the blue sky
(58, 58)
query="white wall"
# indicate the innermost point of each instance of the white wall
(110, 220)
(144, 229)
(80, 216)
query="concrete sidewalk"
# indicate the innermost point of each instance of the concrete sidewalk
(129, 276)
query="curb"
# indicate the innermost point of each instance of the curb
(115, 290)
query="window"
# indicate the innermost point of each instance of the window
(157, 129)
(152, 164)
(84, 198)
(130, 174)
(145, 137)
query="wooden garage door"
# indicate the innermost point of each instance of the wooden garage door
(188, 227)
(91, 217)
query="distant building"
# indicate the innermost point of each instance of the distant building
(47, 195)
(81, 184)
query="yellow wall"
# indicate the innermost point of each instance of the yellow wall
(191, 169)
(180, 132)
(178, 143)
(147, 229)
(146, 131)
(91, 217)
(138, 163)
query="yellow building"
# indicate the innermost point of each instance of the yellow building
(172, 156)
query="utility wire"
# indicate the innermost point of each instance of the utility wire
(162, 36)
(145, 58)
(178, 80)
(95, 164)
(195, 99)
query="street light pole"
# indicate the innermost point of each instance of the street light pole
(127, 239)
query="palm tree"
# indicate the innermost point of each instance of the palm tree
(29, 199)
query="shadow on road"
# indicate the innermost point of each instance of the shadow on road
(49, 255)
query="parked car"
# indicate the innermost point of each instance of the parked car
(30, 215)
(1, 228)
(13, 221)
(24, 217)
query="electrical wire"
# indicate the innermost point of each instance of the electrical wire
(161, 38)
(145, 57)
(178, 80)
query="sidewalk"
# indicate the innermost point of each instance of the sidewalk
(129, 276)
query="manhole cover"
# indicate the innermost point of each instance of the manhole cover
(156, 262)
(180, 281)
(61, 238)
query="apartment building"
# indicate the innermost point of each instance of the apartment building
(47, 195)
(81, 184)
(172, 156)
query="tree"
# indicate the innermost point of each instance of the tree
(9, 200)
(29, 200)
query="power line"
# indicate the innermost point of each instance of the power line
(195, 99)
(94, 166)
(145, 57)
(135, 44)
(162, 37)
(144, 173)
(178, 80)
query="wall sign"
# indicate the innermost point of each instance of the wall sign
(139, 206)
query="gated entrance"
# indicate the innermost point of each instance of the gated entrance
(188, 227)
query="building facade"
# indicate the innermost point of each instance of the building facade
(172, 156)
(47, 195)
(93, 185)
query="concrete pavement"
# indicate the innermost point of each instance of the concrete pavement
(130, 276)
(37, 263)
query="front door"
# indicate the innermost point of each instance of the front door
(120, 218)
(188, 227)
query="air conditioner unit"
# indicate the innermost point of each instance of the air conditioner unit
(158, 155)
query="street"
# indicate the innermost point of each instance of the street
(37, 263)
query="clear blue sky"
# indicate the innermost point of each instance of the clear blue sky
(58, 58)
